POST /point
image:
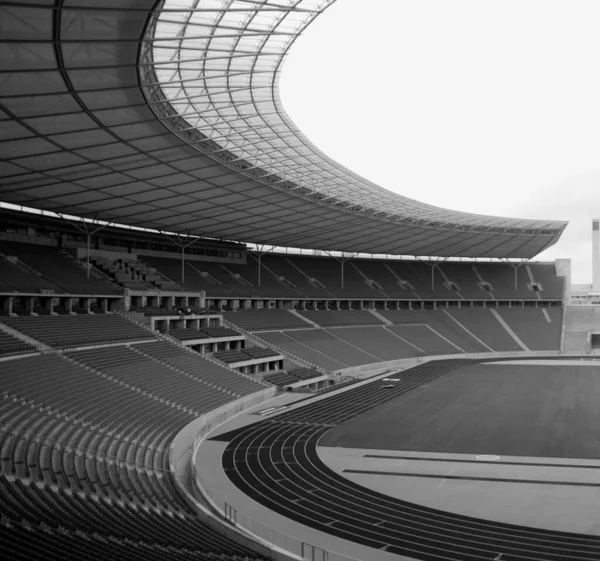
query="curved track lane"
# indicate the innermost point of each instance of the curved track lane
(275, 462)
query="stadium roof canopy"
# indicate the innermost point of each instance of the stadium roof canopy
(166, 115)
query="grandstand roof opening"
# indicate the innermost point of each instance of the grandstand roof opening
(167, 116)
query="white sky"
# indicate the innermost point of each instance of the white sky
(485, 106)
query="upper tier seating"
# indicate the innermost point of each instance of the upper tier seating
(19, 279)
(501, 277)
(85, 467)
(284, 266)
(294, 276)
(545, 274)
(257, 320)
(80, 330)
(58, 269)
(341, 317)
(193, 281)
(328, 272)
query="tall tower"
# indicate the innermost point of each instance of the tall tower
(596, 254)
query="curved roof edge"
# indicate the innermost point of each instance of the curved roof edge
(94, 124)
(235, 84)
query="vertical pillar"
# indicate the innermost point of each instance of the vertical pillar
(596, 254)
(7, 305)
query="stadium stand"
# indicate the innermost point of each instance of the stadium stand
(61, 272)
(205, 333)
(194, 280)
(377, 341)
(440, 322)
(293, 347)
(20, 279)
(285, 267)
(482, 325)
(465, 278)
(425, 339)
(79, 330)
(85, 470)
(208, 371)
(280, 379)
(539, 329)
(342, 317)
(10, 345)
(261, 320)
(340, 350)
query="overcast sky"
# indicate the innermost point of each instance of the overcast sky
(485, 106)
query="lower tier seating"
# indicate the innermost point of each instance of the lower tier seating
(416, 333)
(10, 345)
(80, 330)
(252, 320)
(84, 464)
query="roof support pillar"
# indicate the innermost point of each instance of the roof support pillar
(260, 251)
(182, 243)
(342, 260)
(433, 263)
(84, 229)
(516, 266)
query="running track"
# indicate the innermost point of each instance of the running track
(275, 462)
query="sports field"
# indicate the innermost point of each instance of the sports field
(502, 409)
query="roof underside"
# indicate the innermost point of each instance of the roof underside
(166, 115)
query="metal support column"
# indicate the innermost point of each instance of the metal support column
(84, 229)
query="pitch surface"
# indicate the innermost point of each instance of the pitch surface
(502, 409)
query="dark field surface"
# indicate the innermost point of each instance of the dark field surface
(545, 411)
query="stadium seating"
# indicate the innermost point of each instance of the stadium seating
(378, 341)
(481, 324)
(334, 347)
(531, 325)
(328, 272)
(199, 367)
(342, 317)
(440, 322)
(19, 279)
(257, 320)
(58, 270)
(204, 333)
(284, 266)
(10, 345)
(296, 348)
(194, 280)
(72, 331)
(85, 470)
(280, 378)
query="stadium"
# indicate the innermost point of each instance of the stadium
(217, 343)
